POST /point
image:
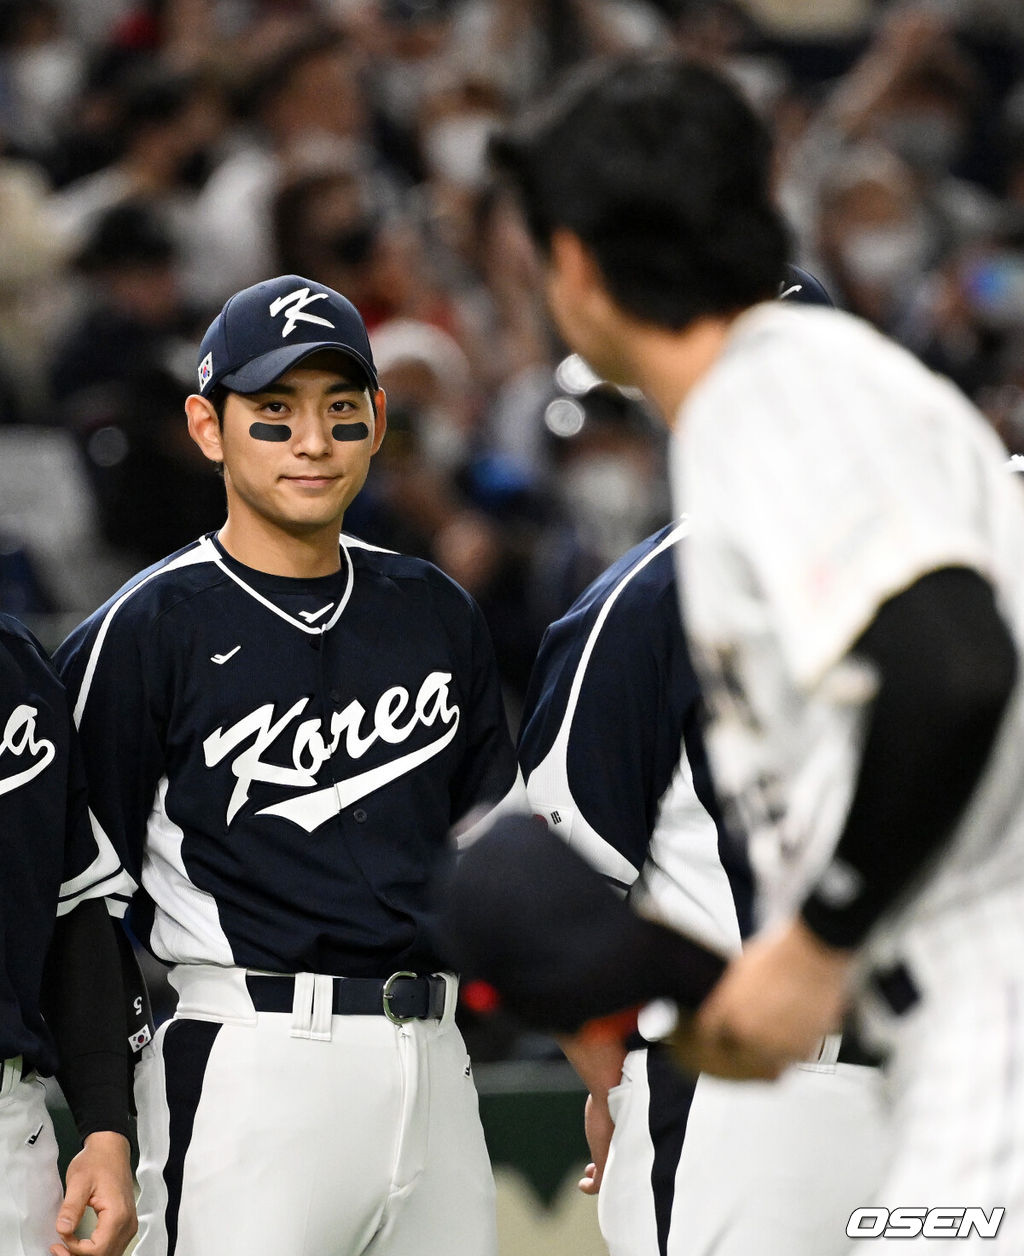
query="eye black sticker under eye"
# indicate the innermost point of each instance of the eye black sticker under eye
(276, 432)
(350, 431)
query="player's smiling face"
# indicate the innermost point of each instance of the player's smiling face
(296, 454)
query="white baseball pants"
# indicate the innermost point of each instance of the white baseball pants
(30, 1192)
(304, 1135)
(772, 1168)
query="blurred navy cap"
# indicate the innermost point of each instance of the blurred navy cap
(267, 329)
(800, 285)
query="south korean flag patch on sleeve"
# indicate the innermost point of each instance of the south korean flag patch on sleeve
(205, 370)
(138, 1040)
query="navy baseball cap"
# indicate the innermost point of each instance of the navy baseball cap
(267, 329)
(800, 285)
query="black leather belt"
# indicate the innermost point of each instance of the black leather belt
(400, 997)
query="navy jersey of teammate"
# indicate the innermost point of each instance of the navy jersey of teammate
(52, 869)
(614, 759)
(281, 733)
(623, 774)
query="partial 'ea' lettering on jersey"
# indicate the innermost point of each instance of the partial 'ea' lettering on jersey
(20, 739)
(312, 748)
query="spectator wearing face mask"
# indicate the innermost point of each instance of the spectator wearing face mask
(873, 236)
(915, 93)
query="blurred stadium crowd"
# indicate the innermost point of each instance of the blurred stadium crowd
(157, 155)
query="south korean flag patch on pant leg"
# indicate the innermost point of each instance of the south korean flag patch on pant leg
(205, 371)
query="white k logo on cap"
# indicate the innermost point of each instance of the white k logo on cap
(298, 300)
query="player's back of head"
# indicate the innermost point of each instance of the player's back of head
(663, 170)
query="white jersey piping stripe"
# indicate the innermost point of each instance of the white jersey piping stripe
(354, 542)
(609, 861)
(677, 533)
(296, 623)
(186, 925)
(203, 552)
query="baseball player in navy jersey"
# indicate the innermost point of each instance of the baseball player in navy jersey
(60, 979)
(612, 752)
(282, 731)
(854, 602)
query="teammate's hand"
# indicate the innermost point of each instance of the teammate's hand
(777, 999)
(99, 1177)
(599, 1128)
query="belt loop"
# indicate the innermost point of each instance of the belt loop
(451, 998)
(10, 1075)
(302, 1005)
(323, 1007)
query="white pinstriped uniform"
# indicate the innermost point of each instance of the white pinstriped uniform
(825, 470)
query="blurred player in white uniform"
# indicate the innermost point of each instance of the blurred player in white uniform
(854, 598)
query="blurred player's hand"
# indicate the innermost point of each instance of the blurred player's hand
(599, 1127)
(771, 1008)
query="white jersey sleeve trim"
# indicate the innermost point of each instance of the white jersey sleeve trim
(104, 875)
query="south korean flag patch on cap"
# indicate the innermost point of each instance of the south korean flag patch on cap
(205, 370)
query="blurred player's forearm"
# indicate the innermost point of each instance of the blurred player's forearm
(946, 664)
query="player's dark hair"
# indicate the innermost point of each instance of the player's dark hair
(664, 171)
(218, 398)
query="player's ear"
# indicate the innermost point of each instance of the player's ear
(204, 426)
(380, 422)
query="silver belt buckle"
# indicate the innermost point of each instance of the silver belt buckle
(387, 994)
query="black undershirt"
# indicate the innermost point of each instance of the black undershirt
(946, 665)
(83, 1004)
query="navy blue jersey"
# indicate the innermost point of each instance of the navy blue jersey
(612, 752)
(51, 859)
(279, 761)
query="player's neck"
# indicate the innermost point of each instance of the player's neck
(669, 364)
(261, 545)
